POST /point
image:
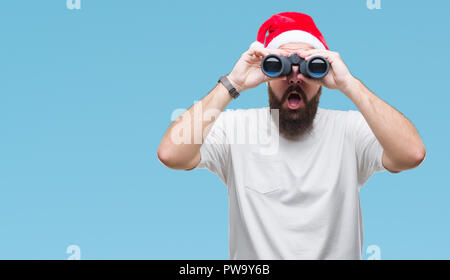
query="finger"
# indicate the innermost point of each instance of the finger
(261, 52)
(280, 52)
(329, 55)
(313, 51)
(305, 53)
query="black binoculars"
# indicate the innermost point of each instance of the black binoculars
(274, 66)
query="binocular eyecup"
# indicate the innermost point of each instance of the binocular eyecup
(274, 66)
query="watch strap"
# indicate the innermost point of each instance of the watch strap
(229, 86)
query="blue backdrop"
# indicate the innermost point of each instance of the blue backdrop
(86, 95)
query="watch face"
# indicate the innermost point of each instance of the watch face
(234, 93)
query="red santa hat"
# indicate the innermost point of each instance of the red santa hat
(290, 27)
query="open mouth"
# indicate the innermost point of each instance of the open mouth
(294, 100)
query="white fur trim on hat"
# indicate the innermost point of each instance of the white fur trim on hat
(295, 36)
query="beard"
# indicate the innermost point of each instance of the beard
(294, 123)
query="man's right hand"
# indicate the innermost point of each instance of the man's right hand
(247, 73)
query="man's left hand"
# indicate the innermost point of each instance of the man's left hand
(339, 77)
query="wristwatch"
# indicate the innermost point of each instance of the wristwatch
(224, 80)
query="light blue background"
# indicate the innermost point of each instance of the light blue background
(86, 95)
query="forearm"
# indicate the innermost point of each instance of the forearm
(398, 136)
(180, 145)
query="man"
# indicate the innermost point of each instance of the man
(301, 199)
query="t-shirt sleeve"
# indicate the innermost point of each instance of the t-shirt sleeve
(215, 149)
(368, 151)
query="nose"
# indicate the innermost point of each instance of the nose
(293, 76)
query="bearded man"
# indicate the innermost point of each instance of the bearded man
(301, 200)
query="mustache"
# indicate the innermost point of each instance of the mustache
(296, 89)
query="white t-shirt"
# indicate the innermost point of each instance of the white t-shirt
(293, 199)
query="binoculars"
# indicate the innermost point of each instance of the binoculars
(274, 66)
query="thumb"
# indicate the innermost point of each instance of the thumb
(269, 79)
